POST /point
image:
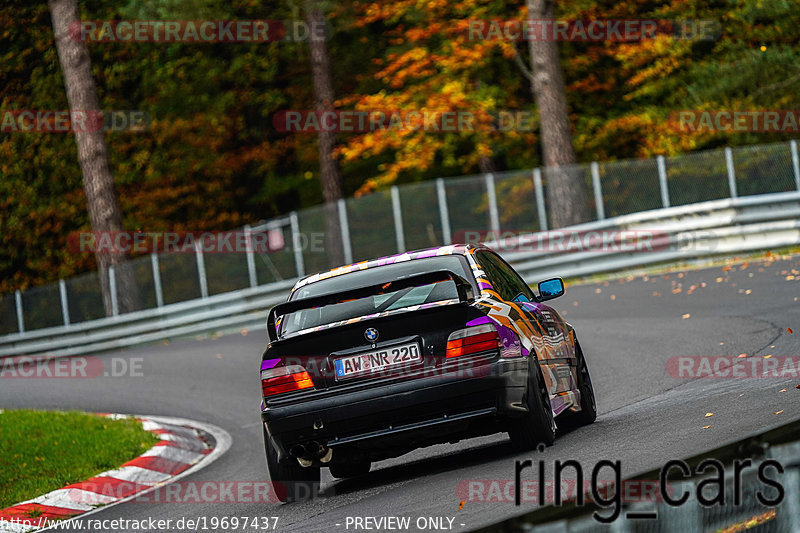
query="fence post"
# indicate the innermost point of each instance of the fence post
(20, 318)
(157, 280)
(345, 227)
(491, 196)
(598, 191)
(444, 215)
(539, 191)
(731, 171)
(201, 270)
(662, 180)
(397, 212)
(297, 246)
(62, 290)
(788, 514)
(112, 288)
(795, 163)
(251, 262)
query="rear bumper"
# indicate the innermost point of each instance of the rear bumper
(402, 415)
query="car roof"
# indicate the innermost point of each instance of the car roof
(452, 249)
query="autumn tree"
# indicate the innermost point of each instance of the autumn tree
(566, 194)
(330, 174)
(429, 63)
(98, 183)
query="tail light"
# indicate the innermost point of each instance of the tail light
(473, 340)
(285, 379)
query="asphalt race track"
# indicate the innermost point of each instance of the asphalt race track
(628, 329)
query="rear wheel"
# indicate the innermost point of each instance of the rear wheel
(345, 470)
(291, 482)
(538, 426)
(588, 412)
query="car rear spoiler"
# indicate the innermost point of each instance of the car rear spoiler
(463, 287)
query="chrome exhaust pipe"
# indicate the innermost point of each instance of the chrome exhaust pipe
(298, 450)
(310, 451)
(315, 449)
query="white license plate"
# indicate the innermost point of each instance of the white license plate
(367, 363)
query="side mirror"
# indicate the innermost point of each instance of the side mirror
(551, 288)
(521, 298)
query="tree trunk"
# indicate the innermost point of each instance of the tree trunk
(98, 183)
(566, 193)
(330, 173)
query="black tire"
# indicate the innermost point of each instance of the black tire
(291, 482)
(588, 412)
(538, 426)
(345, 470)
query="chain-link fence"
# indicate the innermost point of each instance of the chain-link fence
(408, 217)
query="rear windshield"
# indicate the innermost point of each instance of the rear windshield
(408, 297)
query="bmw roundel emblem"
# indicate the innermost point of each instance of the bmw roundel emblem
(371, 334)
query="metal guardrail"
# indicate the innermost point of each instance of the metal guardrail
(718, 227)
(779, 444)
(407, 217)
(225, 312)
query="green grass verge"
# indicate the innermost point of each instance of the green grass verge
(41, 451)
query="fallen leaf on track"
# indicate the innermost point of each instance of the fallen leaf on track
(709, 414)
(706, 427)
(767, 356)
(782, 390)
(789, 330)
(741, 355)
(687, 315)
(778, 412)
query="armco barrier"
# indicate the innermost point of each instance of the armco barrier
(716, 227)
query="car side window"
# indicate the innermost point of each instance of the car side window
(505, 280)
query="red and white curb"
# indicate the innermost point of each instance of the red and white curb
(185, 447)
